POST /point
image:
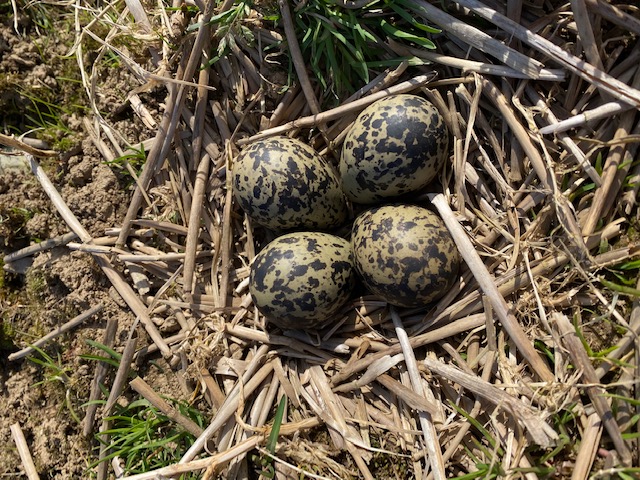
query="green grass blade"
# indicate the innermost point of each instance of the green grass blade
(632, 292)
(277, 423)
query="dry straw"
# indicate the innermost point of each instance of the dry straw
(428, 388)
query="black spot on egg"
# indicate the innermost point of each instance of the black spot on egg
(301, 280)
(396, 146)
(404, 254)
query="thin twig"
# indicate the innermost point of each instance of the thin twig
(68, 326)
(23, 451)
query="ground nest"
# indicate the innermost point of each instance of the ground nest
(525, 368)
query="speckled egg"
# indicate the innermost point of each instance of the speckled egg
(396, 146)
(283, 184)
(404, 254)
(301, 279)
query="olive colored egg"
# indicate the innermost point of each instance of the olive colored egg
(404, 254)
(301, 279)
(283, 184)
(397, 145)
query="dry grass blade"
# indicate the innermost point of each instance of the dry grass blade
(532, 420)
(482, 276)
(426, 421)
(587, 71)
(582, 362)
(23, 450)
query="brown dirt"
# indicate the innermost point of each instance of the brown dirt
(59, 284)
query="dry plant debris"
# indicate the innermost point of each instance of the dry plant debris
(540, 194)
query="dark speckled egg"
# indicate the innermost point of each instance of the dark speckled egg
(283, 184)
(301, 279)
(404, 254)
(396, 146)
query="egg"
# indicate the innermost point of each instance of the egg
(396, 145)
(283, 184)
(301, 279)
(404, 254)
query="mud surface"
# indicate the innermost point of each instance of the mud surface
(56, 285)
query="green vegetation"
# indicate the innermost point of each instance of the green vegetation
(129, 164)
(13, 220)
(56, 375)
(146, 439)
(340, 43)
(266, 461)
(343, 44)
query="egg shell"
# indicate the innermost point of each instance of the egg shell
(396, 145)
(283, 184)
(404, 254)
(300, 280)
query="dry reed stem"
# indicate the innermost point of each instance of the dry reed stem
(484, 279)
(167, 128)
(611, 182)
(11, 141)
(194, 224)
(571, 145)
(585, 32)
(589, 442)
(585, 70)
(478, 39)
(251, 379)
(598, 113)
(533, 421)
(66, 327)
(614, 14)
(348, 379)
(48, 244)
(144, 389)
(468, 66)
(335, 113)
(431, 438)
(116, 390)
(23, 450)
(296, 57)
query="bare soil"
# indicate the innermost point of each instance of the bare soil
(59, 284)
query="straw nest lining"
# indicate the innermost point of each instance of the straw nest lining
(427, 388)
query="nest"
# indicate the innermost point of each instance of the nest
(540, 187)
